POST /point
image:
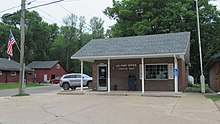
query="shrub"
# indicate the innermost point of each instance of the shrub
(196, 88)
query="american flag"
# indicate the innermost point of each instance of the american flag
(11, 43)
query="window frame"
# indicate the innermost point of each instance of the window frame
(145, 68)
(58, 66)
(13, 73)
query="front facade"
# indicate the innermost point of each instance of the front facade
(7, 76)
(46, 70)
(9, 71)
(155, 62)
(213, 67)
(158, 74)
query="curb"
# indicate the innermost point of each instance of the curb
(119, 94)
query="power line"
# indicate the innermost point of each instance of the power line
(45, 4)
(46, 18)
(50, 15)
(28, 3)
(14, 7)
(44, 1)
(65, 8)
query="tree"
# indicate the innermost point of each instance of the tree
(69, 40)
(96, 27)
(48, 41)
(69, 34)
(39, 35)
(4, 36)
(144, 17)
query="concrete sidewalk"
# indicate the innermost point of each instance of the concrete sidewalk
(218, 104)
(87, 91)
(101, 109)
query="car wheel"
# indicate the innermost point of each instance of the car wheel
(66, 86)
(89, 84)
(73, 88)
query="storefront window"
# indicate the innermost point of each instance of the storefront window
(157, 71)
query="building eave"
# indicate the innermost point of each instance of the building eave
(93, 58)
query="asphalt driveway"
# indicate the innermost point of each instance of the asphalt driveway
(101, 109)
(32, 90)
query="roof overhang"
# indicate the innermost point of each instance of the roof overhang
(213, 60)
(93, 58)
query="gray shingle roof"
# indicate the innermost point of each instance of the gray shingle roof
(10, 65)
(136, 45)
(42, 64)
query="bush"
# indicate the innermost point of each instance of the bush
(196, 88)
(190, 85)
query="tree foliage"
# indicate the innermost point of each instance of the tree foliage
(96, 26)
(72, 37)
(143, 17)
(4, 35)
(48, 41)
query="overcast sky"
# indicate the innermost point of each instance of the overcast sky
(55, 13)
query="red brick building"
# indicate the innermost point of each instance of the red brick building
(145, 63)
(213, 67)
(9, 71)
(46, 70)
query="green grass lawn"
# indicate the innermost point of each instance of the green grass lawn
(213, 97)
(16, 85)
(196, 88)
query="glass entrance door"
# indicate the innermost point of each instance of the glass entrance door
(102, 78)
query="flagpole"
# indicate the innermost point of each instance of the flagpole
(18, 47)
(202, 77)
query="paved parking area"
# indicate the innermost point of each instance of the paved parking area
(100, 109)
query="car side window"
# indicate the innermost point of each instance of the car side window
(72, 76)
(78, 76)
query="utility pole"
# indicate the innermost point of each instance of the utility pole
(22, 28)
(22, 68)
(202, 77)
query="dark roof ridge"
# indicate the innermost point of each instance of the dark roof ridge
(142, 35)
(11, 65)
(42, 64)
(213, 60)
